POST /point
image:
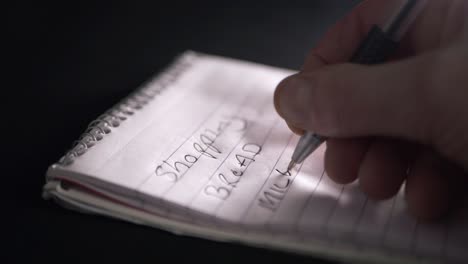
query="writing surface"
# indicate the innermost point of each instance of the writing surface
(401, 226)
(290, 210)
(212, 151)
(374, 222)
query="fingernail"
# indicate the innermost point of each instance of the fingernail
(293, 99)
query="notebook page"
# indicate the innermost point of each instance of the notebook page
(220, 150)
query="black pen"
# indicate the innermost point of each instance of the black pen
(376, 47)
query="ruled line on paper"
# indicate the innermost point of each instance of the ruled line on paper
(266, 181)
(224, 160)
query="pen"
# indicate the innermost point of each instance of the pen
(376, 47)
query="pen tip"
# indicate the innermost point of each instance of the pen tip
(291, 165)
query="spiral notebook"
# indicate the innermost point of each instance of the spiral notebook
(199, 150)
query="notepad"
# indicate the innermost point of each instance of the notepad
(199, 150)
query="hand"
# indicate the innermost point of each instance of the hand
(402, 121)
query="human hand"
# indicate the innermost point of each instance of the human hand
(402, 121)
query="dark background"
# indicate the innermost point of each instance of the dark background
(69, 62)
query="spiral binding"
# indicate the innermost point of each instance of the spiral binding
(127, 107)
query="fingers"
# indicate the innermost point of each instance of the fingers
(330, 40)
(383, 169)
(343, 158)
(428, 188)
(296, 130)
(351, 100)
(392, 100)
(433, 186)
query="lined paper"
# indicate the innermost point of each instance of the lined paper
(216, 153)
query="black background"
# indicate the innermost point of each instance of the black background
(69, 62)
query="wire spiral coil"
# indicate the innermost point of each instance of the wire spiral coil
(112, 118)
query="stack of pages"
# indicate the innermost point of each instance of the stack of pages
(199, 150)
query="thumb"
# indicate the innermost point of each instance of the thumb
(348, 100)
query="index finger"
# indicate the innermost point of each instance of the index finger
(340, 41)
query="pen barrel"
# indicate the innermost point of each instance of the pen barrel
(375, 48)
(306, 145)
